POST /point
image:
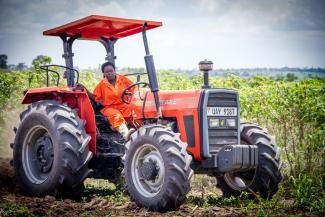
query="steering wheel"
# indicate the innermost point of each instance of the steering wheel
(128, 94)
(137, 74)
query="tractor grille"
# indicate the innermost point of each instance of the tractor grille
(218, 137)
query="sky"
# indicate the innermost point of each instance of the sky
(233, 34)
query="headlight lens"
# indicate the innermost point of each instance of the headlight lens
(214, 122)
(231, 122)
(220, 122)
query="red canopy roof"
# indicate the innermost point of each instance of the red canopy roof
(94, 27)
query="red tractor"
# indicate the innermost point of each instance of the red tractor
(63, 138)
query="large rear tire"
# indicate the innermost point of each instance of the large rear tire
(266, 178)
(157, 168)
(50, 152)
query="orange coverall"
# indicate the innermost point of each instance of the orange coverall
(114, 108)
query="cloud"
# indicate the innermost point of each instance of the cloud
(19, 17)
(280, 15)
(213, 6)
(224, 30)
(112, 8)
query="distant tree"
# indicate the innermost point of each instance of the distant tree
(245, 74)
(279, 78)
(291, 77)
(3, 61)
(231, 73)
(12, 66)
(21, 66)
(41, 60)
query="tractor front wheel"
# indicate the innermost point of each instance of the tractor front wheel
(51, 151)
(263, 180)
(157, 168)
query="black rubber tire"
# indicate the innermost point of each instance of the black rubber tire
(70, 149)
(268, 173)
(177, 162)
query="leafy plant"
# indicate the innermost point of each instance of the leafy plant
(13, 210)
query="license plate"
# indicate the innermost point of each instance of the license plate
(221, 111)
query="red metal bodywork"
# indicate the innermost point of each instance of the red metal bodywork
(95, 27)
(75, 99)
(174, 104)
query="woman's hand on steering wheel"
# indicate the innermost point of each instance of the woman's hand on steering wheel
(128, 94)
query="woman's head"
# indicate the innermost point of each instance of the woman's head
(108, 70)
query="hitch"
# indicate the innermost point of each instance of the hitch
(233, 158)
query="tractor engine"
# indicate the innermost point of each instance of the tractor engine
(220, 132)
(208, 121)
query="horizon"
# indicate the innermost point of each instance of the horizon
(188, 69)
(184, 70)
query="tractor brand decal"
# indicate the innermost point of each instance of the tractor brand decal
(168, 102)
(162, 102)
(152, 103)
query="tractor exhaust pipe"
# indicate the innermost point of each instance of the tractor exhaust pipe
(206, 66)
(151, 70)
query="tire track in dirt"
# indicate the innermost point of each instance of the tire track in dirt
(49, 206)
(93, 205)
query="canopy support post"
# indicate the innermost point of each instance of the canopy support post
(109, 46)
(68, 57)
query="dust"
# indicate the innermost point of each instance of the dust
(7, 134)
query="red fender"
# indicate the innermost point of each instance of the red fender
(75, 99)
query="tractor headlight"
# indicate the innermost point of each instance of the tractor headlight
(222, 122)
(231, 122)
(214, 122)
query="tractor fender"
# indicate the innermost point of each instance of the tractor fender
(76, 99)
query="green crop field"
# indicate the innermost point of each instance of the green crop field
(292, 111)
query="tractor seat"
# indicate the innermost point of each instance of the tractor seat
(103, 123)
(97, 107)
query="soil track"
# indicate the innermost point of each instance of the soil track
(49, 206)
(93, 205)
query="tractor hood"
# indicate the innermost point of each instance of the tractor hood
(173, 103)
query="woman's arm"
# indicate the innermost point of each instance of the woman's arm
(82, 87)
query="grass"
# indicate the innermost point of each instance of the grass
(205, 195)
(244, 204)
(106, 190)
(204, 198)
(14, 210)
(277, 206)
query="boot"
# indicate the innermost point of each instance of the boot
(125, 132)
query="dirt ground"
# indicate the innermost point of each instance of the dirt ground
(96, 206)
(49, 206)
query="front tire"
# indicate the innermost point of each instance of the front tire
(51, 152)
(267, 176)
(157, 168)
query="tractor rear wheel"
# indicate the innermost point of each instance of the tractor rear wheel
(51, 152)
(267, 176)
(157, 168)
